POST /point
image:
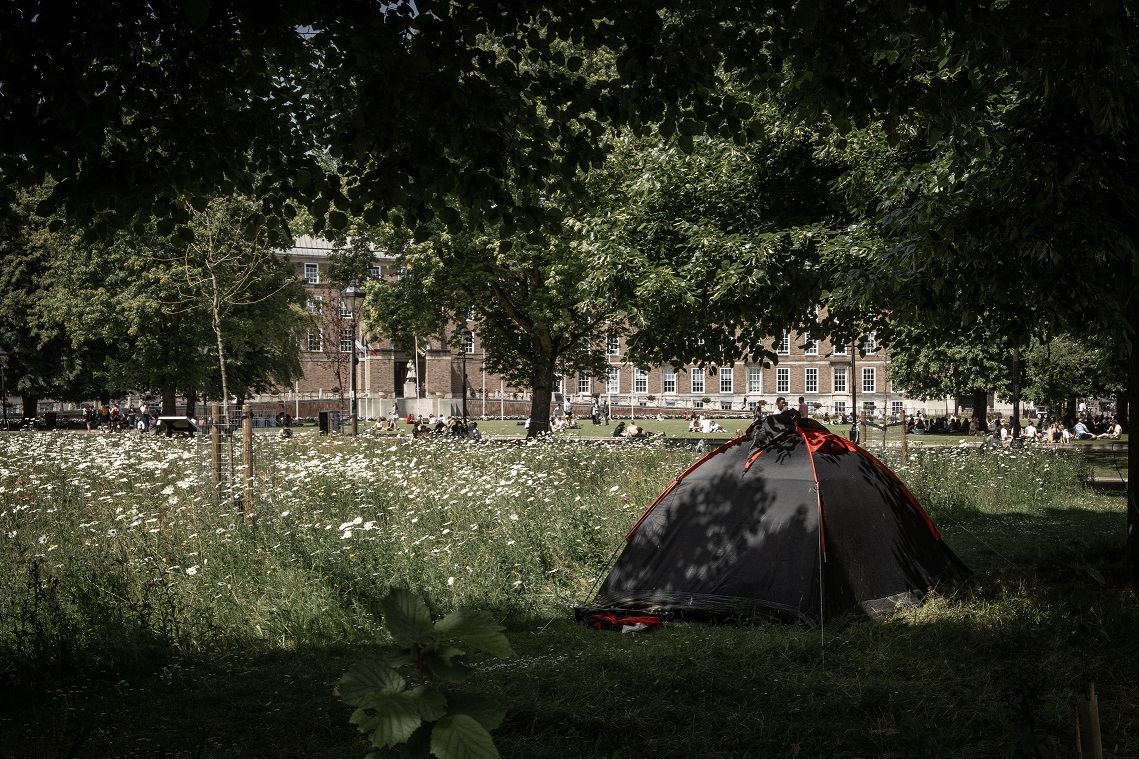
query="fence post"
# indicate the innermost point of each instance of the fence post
(247, 460)
(215, 445)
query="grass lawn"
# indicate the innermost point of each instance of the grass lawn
(140, 618)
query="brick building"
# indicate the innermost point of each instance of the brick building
(833, 379)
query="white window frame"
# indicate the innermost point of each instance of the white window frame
(584, 382)
(727, 377)
(613, 380)
(640, 380)
(314, 342)
(838, 349)
(347, 339)
(811, 348)
(668, 379)
(896, 407)
(344, 312)
(840, 408)
(840, 384)
(782, 380)
(312, 274)
(697, 378)
(612, 345)
(810, 380)
(869, 379)
(754, 379)
(871, 343)
(316, 305)
(468, 342)
(783, 347)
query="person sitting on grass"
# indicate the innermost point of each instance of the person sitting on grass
(619, 430)
(1080, 431)
(1113, 431)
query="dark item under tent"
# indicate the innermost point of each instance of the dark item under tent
(792, 523)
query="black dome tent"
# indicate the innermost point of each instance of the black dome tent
(801, 525)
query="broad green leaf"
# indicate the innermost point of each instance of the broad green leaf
(484, 710)
(368, 677)
(406, 617)
(418, 746)
(432, 703)
(461, 737)
(475, 628)
(398, 715)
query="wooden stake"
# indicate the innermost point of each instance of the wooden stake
(1087, 731)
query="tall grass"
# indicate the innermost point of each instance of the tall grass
(116, 550)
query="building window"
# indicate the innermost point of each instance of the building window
(782, 380)
(838, 350)
(783, 347)
(640, 380)
(612, 345)
(896, 408)
(812, 347)
(400, 273)
(468, 341)
(754, 380)
(374, 272)
(811, 381)
(725, 405)
(868, 408)
(869, 375)
(316, 305)
(560, 382)
(840, 380)
(725, 379)
(346, 340)
(312, 274)
(668, 380)
(315, 342)
(344, 312)
(584, 382)
(871, 343)
(697, 380)
(612, 380)
(840, 408)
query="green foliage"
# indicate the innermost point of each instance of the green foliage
(1065, 368)
(428, 718)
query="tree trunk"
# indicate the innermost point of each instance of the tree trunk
(31, 405)
(980, 410)
(1133, 450)
(191, 403)
(169, 401)
(1016, 371)
(540, 402)
(1123, 410)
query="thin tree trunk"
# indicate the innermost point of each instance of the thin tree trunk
(31, 405)
(1133, 450)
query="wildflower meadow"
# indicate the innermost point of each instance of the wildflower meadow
(141, 616)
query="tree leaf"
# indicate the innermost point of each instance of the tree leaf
(365, 678)
(398, 715)
(475, 628)
(406, 617)
(432, 703)
(459, 736)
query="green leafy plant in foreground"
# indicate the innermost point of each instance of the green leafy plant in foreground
(421, 714)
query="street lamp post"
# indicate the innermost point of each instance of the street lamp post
(467, 335)
(4, 385)
(353, 297)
